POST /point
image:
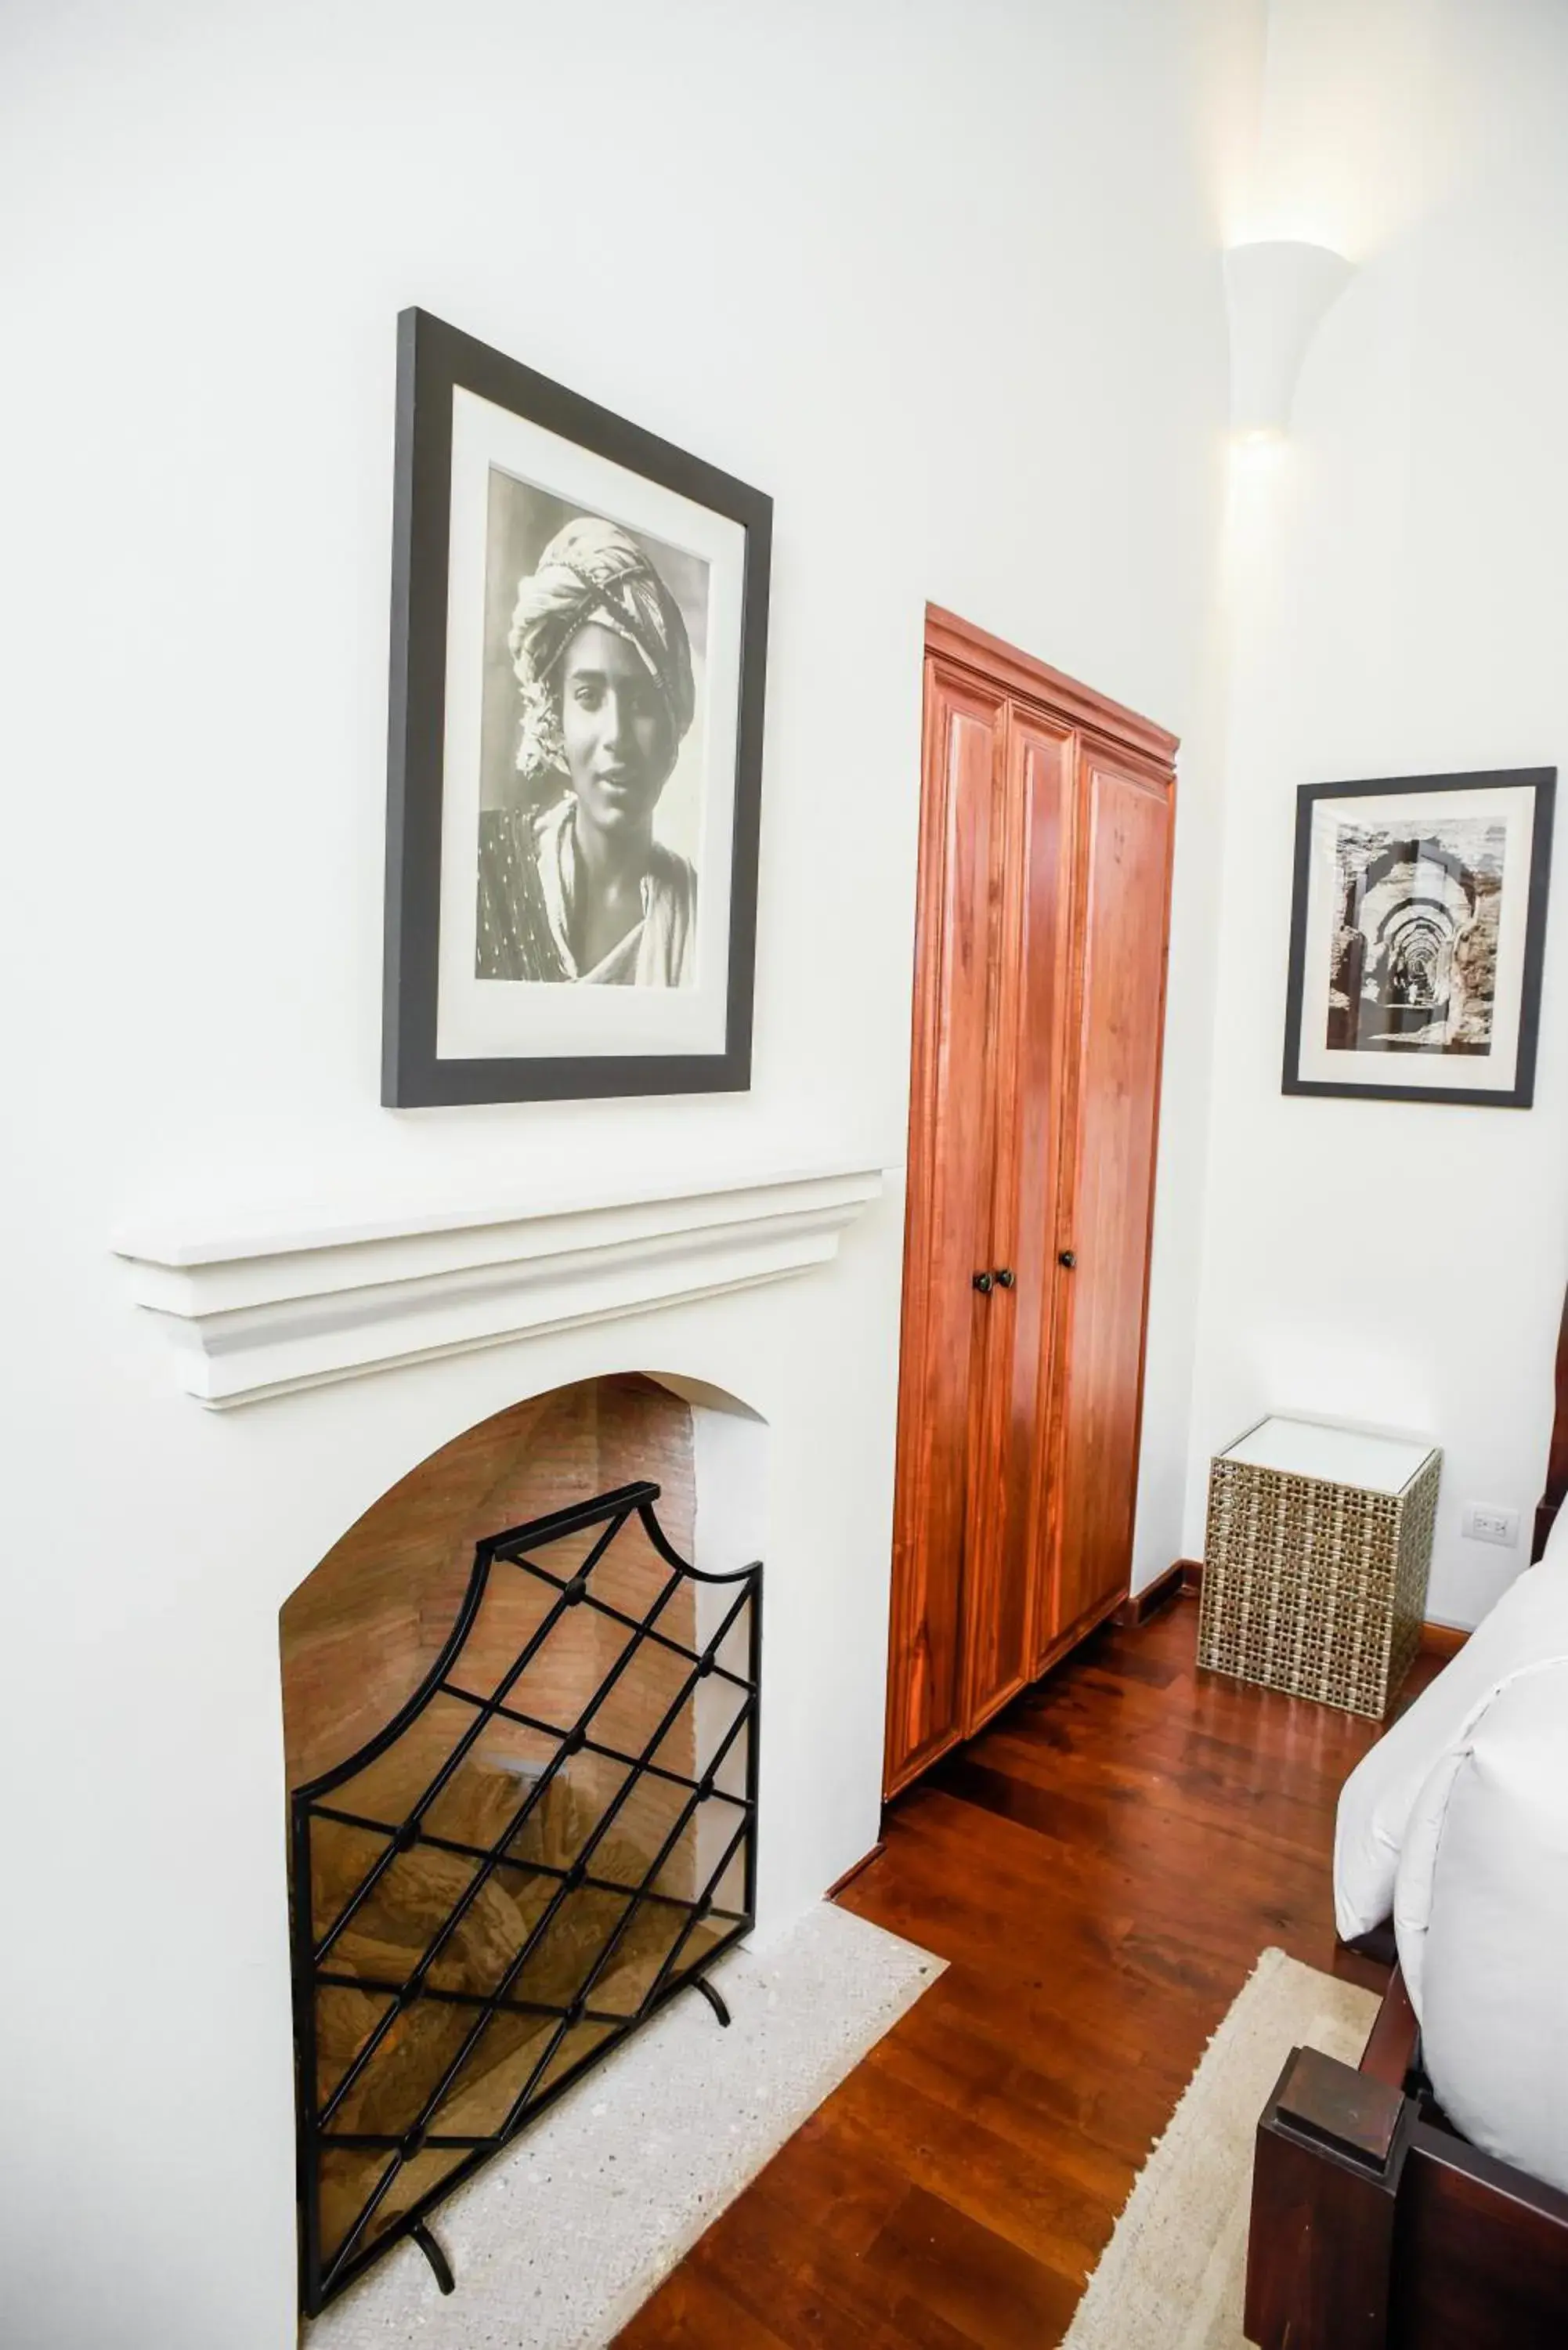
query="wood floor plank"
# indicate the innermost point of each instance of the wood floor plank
(693, 2309)
(808, 2288)
(962, 2270)
(1027, 2197)
(1040, 2109)
(1101, 1869)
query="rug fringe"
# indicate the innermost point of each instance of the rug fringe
(1172, 2275)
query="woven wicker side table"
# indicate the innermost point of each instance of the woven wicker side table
(1315, 1566)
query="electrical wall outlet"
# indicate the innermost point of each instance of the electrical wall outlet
(1483, 1524)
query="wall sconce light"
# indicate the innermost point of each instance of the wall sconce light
(1277, 293)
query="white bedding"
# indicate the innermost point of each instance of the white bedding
(1481, 1916)
(1456, 1821)
(1528, 1625)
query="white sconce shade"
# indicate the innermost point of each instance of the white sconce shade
(1277, 293)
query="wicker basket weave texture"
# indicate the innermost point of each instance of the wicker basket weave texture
(1315, 1587)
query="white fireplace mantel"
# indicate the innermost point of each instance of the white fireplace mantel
(264, 1308)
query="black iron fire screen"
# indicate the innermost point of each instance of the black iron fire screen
(554, 1835)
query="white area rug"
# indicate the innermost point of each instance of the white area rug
(1173, 2274)
(557, 2243)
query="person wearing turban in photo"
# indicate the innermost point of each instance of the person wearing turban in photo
(573, 885)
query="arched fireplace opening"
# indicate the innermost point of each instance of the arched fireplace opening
(521, 1738)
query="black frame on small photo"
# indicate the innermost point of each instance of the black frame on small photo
(433, 361)
(1421, 790)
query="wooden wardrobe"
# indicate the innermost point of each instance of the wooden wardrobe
(1045, 844)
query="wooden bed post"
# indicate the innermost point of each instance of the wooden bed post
(1376, 2227)
(1325, 2183)
(1557, 1459)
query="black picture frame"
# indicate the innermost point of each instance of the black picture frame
(1418, 790)
(433, 360)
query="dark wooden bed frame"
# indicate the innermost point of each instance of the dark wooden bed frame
(1375, 2225)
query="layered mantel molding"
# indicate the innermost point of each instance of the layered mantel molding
(263, 1310)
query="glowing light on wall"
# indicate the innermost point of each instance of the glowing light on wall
(1278, 292)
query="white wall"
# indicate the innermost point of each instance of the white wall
(944, 282)
(1400, 606)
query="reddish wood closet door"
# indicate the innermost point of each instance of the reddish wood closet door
(1027, 1055)
(1125, 817)
(948, 1216)
(1040, 956)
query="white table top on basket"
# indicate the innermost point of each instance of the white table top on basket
(1339, 1456)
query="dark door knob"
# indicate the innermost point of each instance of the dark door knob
(982, 1281)
(1068, 1259)
(1005, 1277)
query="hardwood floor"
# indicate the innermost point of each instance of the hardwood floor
(1101, 1869)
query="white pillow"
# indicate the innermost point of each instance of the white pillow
(1481, 1917)
(1528, 1625)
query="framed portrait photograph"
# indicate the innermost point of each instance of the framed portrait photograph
(579, 630)
(1417, 936)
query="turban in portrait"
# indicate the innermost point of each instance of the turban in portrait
(592, 572)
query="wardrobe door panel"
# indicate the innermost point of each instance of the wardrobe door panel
(947, 1217)
(1126, 817)
(1027, 1056)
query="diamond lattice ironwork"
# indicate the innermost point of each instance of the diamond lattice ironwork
(551, 1838)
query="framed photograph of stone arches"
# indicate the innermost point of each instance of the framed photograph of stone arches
(579, 635)
(1418, 934)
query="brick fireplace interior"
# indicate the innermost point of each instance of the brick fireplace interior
(419, 2031)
